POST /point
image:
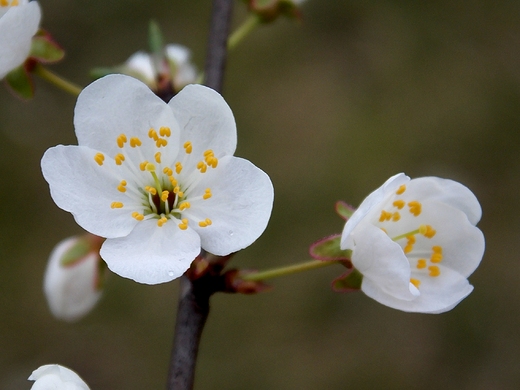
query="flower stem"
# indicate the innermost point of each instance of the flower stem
(58, 81)
(243, 31)
(289, 270)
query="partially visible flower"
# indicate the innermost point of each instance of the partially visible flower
(19, 20)
(54, 376)
(74, 277)
(158, 180)
(415, 243)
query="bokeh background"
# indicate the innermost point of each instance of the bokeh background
(330, 108)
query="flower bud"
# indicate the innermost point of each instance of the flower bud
(74, 275)
(54, 376)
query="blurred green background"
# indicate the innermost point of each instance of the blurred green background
(329, 108)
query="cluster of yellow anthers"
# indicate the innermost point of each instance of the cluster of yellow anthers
(166, 197)
(415, 208)
(7, 3)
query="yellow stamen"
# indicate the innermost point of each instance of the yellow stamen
(162, 221)
(99, 158)
(202, 167)
(401, 189)
(4, 3)
(138, 216)
(178, 167)
(399, 204)
(205, 223)
(207, 194)
(188, 147)
(436, 258)
(151, 190)
(177, 190)
(427, 231)
(158, 157)
(119, 158)
(208, 152)
(434, 270)
(421, 263)
(415, 282)
(184, 224)
(172, 180)
(122, 186)
(437, 249)
(153, 134)
(142, 166)
(385, 216)
(165, 131)
(411, 239)
(121, 140)
(164, 195)
(116, 205)
(161, 142)
(212, 161)
(135, 141)
(184, 206)
(168, 171)
(408, 248)
(415, 207)
(396, 217)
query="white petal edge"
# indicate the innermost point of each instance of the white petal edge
(17, 27)
(151, 254)
(52, 376)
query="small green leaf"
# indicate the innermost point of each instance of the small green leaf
(20, 82)
(349, 281)
(45, 50)
(344, 210)
(328, 249)
(76, 253)
(155, 39)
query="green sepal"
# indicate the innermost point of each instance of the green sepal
(76, 252)
(349, 281)
(44, 49)
(344, 210)
(20, 82)
(328, 249)
(155, 39)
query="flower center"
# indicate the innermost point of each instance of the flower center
(427, 261)
(156, 186)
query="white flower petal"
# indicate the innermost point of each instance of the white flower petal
(368, 204)
(141, 64)
(205, 120)
(239, 208)
(17, 27)
(54, 376)
(152, 254)
(118, 104)
(82, 187)
(71, 290)
(382, 262)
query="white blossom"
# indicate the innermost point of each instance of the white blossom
(54, 376)
(19, 20)
(415, 242)
(158, 180)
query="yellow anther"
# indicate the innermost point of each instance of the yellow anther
(116, 205)
(184, 224)
(161, 142)
(399, 204)
(208, 152)
(121, 140)
(205, 223)
(178, 167)
(153, 134)
(408, 248)
(396, 217)
(99, 158)
(212, 161)
(401, 189)
(122, 186)
(165, 131)
(434, 270)
(119, 158)
(142, 166)
(202, 167)
(4, 3)
(427, 231)
(415, 207)
(164, 195)
(158, 157)
(135, 141)
(421, 263)
(436, 258)
(167, 171)
(151, 190)
(172, 180)
(162, 221)
(411, 239)
(184, 206)
(385, 216)
(138, 216)
(150, 167)
(188, 147)
(207, 194)
(415, 282)
(437, 249)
